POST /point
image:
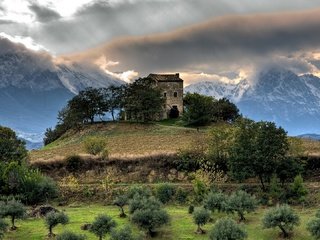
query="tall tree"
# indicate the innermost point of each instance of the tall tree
(113, 99)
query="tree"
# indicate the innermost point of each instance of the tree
(12, 149)
(224, 110)
(200, 217)
(227, 229)
(257, 149)
(215, 201)
(53, 219)
(95, 145)
(3, 228)
(241, 203)
(102, 225)
(70, 236)
(113, 99)
(297, 190)
(124, 233)
(165, 192)
(198, 109)
(13, 209)
(282, 217)
(288, 168)
(313, 226)
(143, 100)
(121, 201)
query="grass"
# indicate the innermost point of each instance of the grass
(181, 226)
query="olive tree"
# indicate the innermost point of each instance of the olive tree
(313, 226)
(13, 209)
(124, 233)
(121, 201)
(282, 217)
(3, 228)
(200, 217)
(102, 225)
(215, 201)
(241, 203)
(70, 236)
(227, 229)
(53, 219)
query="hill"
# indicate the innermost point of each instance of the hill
(124, 140)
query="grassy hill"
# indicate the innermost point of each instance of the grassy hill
(123, 139)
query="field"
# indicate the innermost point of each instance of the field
(181, 226)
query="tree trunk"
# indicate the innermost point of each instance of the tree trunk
(262, 183)
(112, 114)
(241, 215)
(13, 227)
(122, 214)
(285, 234)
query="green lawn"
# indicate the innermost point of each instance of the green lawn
(181, 226)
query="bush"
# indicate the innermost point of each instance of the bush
(95, 145)
(70, 236)
(200, 190)
(53, 219)
(188, 160)
(102, 225)
(73, 163)
(165, 192)
(142, 202)
(138, 191)
(313, 226)
(124, 233)
(181, 195)
(13, 209)
(297, 191)
(3, 228)
(191, 209)
(121, 201)
(227, 229)
(215, 201)
(200, 217)
(282, 217)
(241, 203)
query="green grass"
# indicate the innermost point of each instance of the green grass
(181, 226)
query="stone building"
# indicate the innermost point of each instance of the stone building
(172, 88)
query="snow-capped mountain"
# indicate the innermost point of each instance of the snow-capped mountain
(278, 95)
(33, 88)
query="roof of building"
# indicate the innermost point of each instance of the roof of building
(165, 77)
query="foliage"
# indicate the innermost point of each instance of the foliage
(121, 201)
(190, 209)
(165, 192)
(224, 110)
(215, 201)
(70, 236)
(141, 202)
(297, 191)
(13, 209)
(3, 228)
(12, 149)
(227, 229)
(53, 219)
(200, 190)
(275, 190)
(124, 233)
(241, 203)
(138, 191)
(282, 217)
(200, 217)
(73, 163)
(313, 226)
(181, 195)
(257, 149)
(143, 100)
(112, 97)
(102, 225)
(288, 168)
(95, 145)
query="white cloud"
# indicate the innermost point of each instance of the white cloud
(26, 41)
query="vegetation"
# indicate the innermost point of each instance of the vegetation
(121, 201)
(95, 145)
(282, 217)
(14, 210)
(70, 236)
(227, 229)
(53, 219)
(216, 201)
(102, 225)
(165, 192)
(124, 233)
(3, 228)
(200, 217)
(314, 226)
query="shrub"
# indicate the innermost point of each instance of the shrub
(297, 191)
(138, 191)
(70, 236)
(313, 226)
(282, 217)
(241, 203)
(3, 228)
(227, 229)
(188, 160)
(95, 145)
(215, 201)
(200, 217)
(181, 195)
(121, 201)
(200, 190)
(142, 202)
(124, 233)
(13, 209)
(73, 163)
(102, 225)
(53, 219)
(165, 192)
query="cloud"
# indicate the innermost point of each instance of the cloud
(221, 44)
(44, 14)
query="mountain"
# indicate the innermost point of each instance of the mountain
(310, 136)
(278, 95)
(33, 88)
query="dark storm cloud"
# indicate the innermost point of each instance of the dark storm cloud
(227, 41)
(44, 14)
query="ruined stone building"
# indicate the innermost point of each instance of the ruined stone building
(172, 89)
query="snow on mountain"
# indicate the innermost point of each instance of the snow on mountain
(278, 95)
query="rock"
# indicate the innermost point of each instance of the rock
(173, 171)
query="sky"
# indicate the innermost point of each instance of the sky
(202, 39)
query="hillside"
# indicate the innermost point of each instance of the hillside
(124, 140)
